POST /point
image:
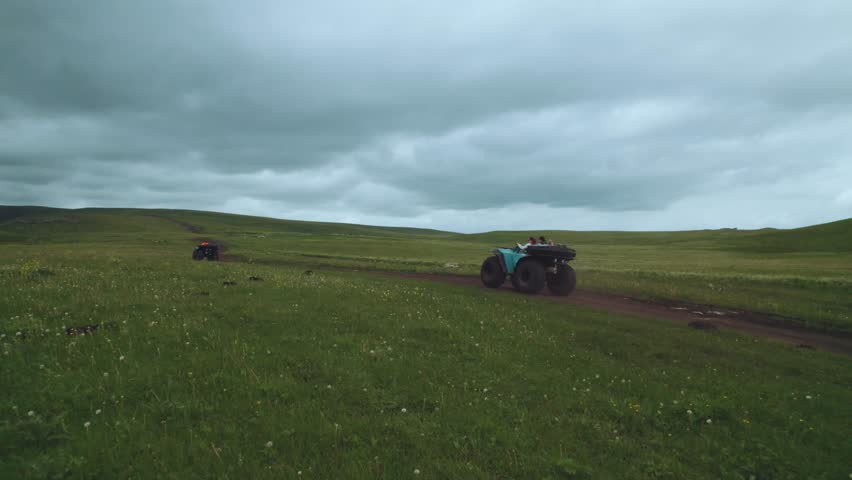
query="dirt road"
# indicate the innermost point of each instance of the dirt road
(706, 317)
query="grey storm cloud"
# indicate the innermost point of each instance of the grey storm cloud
(615, 114)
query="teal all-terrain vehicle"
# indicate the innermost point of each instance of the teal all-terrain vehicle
(531, 267)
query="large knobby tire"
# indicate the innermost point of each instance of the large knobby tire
(197, 255)
(491, 273)
(529, 277)
(563, 282)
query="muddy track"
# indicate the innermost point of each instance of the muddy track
(186, 226)
(223, 247)
(705, 317)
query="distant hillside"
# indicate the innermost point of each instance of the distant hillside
(232, 222)
(8, 213)
(829, 237)
(29, 224)
(25, 222)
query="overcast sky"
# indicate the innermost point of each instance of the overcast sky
(466, 116)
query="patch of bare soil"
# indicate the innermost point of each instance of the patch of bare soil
(702, 317)
(223, 247)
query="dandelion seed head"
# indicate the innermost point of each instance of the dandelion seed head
(87, 424)
(98, 411)
(404, 410)
(31, 413)
(417, 471)
(269, 444)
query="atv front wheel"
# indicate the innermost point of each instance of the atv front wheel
(491, 273)
(563, 282)
(529, 277)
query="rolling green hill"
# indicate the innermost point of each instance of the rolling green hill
(804, 274)
(49, 223)
(252, 369)
(829, 237)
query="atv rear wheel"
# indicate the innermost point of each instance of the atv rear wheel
(491, 273)
(563, 282)
(529, 277)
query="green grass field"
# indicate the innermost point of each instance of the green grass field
(349, 375)
(804, 275)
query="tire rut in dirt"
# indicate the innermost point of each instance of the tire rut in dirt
(750, 323)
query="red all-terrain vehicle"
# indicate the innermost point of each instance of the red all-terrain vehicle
(206, 250)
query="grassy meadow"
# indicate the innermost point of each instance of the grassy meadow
(803, 276)
(349, 375)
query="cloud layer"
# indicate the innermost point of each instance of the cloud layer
(490, 115)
